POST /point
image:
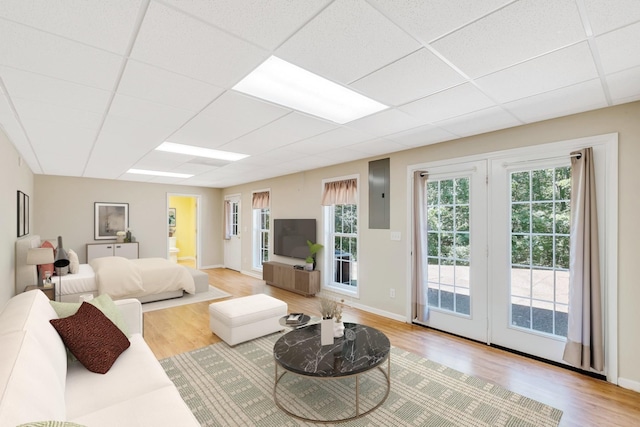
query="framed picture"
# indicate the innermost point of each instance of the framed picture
(172, 217)
(22, 214)
(109, 218)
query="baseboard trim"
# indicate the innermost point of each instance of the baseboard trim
(254, 274)
(205, 267)
(630, 384)
(372, 310)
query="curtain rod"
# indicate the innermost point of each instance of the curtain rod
(576, 155)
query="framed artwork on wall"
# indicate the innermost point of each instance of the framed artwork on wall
(109, 218)
(22, 214)
(172, 217)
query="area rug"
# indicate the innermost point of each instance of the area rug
(227, 386)
(212, 294)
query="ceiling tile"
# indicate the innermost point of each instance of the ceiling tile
(174, 41)
(47, 90)
(412, 77)
(341, 137)
(478, 122)
(306, 163)
(561, 68)
(624, 86)
(386, 122)
(105, 24)
(266, 24)
(452, 102)
(616, 53)
(62, 149)
(156, 85)
(520, 31)
(570, 100)
(423, 135)
(378, 146)
(50, 113)
(606, 16)
(161, 160)
(347, 40)
(10, 126)
(229, 117)
(144, 111)
(31, 50)
(427, 20)
(286, 130)
(274, 157)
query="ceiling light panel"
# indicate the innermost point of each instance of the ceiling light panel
(286, 84)
(200, 151)
(159, 173)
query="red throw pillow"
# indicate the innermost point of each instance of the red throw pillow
(46, 267)
(92, 338)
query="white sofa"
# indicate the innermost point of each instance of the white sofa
(37, 384)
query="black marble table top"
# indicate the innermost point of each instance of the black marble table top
(360, 349)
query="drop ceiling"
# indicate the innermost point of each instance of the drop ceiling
(89, 88)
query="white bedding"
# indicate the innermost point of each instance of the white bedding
(84, 281)
(131, 278)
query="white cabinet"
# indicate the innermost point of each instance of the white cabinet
(125, 250)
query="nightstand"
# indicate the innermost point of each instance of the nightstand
(49, 291)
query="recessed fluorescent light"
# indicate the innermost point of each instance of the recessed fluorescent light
(159, 173)
(192, 150)
(286, 84)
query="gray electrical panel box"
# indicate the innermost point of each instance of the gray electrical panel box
(379, 194)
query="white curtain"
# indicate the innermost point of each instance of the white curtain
(419, 267)
(260, 200)
(585, 342)
(227, 220)
(343, 192)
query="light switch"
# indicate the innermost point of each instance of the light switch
(395, 235)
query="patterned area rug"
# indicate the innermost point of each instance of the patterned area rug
(227, 386)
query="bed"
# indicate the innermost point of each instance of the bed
(147, 279)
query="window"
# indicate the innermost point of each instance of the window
(540, 213)
(261, 217)
(234, 218)
(341, 235)
(448, 244)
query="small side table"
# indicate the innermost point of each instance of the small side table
(50, 291)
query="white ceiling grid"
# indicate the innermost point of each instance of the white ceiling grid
(90, 88)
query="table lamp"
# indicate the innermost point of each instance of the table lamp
(40, 256)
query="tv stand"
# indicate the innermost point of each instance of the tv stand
(287, 277)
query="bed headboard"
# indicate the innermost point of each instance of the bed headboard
(25, 274)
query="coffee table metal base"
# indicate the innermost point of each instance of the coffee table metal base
(387, 375)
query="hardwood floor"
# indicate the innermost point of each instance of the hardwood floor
(585, 401)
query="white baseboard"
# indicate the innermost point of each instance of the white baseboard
(383, 313)
(630, 384)
(252, 273)
(205, 267)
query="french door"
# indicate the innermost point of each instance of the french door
(456, 249)
(530, 255)
(232, 246)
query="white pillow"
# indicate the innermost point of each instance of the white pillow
(74, 263)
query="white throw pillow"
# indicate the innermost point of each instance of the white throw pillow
(74, 263)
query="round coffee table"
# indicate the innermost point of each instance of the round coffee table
(361, 349)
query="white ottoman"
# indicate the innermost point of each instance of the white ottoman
(242, 319)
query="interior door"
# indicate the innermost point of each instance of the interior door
(232, 245)
(456, 198)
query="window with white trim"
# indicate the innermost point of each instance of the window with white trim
(261, 220)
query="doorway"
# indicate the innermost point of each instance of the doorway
(182, 229)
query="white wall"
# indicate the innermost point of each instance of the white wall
(382, 263)
(14, 175)
(65, 207)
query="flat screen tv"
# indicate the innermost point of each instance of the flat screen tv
(290, 237)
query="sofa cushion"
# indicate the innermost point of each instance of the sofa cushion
(92, 338)
(30, 386)
(135, 373)
(104, 303)
(31, 311)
